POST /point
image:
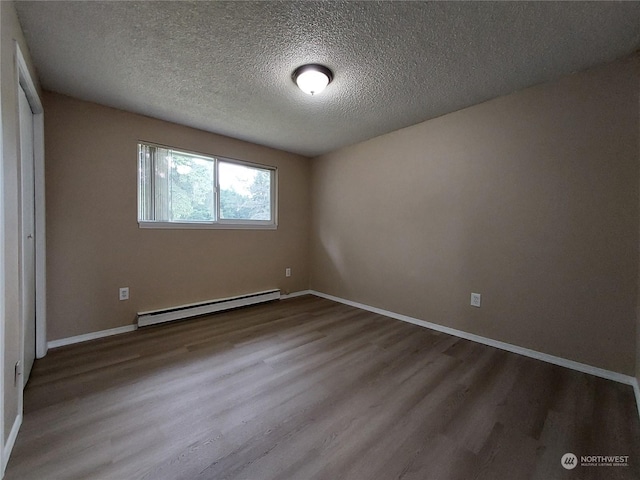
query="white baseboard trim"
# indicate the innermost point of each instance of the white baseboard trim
(545, 357)
(11, 441)
(90, 336)
(296, 294)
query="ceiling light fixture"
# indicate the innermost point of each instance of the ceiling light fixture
(312, 78)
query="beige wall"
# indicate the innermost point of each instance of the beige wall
(529, 199)
(94, 245)
(11, 32)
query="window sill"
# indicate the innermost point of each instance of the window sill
(208, 226)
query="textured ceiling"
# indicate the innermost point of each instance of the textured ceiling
(226, 67)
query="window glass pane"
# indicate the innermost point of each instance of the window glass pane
(190, 186)
(176, 187)
(161, 164)
(245, 192)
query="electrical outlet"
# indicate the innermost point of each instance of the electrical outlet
(124, 293)
(475, 299)
(287, 272)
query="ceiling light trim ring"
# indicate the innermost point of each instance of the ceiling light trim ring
(312, 67)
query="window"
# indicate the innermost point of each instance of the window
(190, 190)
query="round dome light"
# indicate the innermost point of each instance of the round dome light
(312, 79)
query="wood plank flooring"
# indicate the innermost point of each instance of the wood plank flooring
(310, 389)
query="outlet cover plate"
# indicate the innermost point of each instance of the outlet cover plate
(475, 299)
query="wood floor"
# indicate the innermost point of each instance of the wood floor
(310, 389)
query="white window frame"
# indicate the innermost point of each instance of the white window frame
(218, 223)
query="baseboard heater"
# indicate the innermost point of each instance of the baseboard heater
(203, 308)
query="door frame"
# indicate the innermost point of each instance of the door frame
(27, 238)
(25, 81)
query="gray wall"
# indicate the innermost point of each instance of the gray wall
(94, 245)
(529, 199)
